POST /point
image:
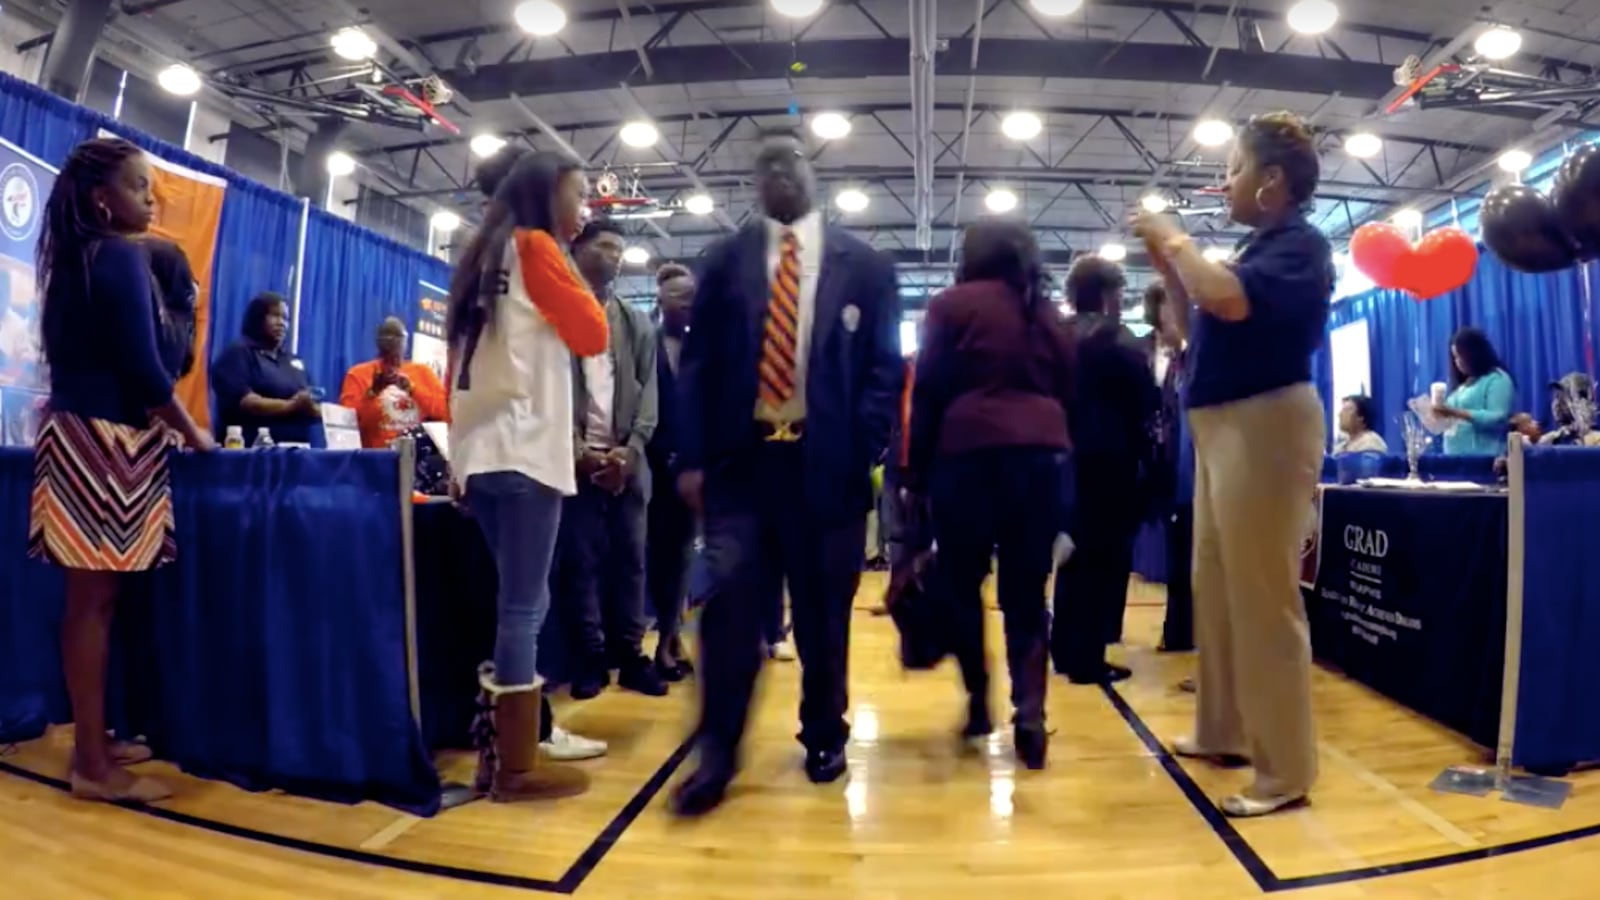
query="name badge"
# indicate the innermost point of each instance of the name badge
(851, 316)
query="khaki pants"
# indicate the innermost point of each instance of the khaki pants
(1256, 467)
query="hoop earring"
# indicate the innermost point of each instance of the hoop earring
(1258, 194)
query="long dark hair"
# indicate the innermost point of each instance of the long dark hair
(1005, 250)
(524, 198)
(73, 228)
(1476, 352)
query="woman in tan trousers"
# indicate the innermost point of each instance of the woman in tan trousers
(1258, 434)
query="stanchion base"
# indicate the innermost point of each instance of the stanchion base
(1534, 790)
(1469, 780)
(453, 794)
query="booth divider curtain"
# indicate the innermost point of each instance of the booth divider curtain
(1536, 323)
(42, 123)
(258, 245)
(353, 279)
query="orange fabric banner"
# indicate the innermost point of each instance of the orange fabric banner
(189, 213)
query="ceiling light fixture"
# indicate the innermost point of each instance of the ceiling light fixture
(540, 18)
(1213, 133)
(797, 9)
(639, 134)
(1000, 201)
(340, 164)
(1113, 252)
(1498, 42)
(487, 145)
(353, 44)
(830, 126)
(1408, 218)
(851, 200)
(1514, 161)
(699, 205)
(179, 80)
(1154, 203)
(445, 221)
(1055, 8)
(1313, 16)
(1021, 126)
(1363, 145)
(636, 255)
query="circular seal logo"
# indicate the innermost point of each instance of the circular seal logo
(19, 202)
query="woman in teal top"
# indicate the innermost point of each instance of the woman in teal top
(1480, 397)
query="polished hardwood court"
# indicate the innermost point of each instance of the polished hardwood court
(919, 816)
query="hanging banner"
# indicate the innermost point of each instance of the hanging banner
(427, 341)
(189, 214)
(25, 184)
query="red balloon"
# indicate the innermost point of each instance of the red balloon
(1380, 251)
(1441, 262)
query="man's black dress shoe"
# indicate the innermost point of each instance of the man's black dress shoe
(700, 793)
(825, 766)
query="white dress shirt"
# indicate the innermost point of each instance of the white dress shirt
(600, 383)
(808, 231)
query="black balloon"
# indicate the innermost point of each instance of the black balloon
(1522, 228)
(1576, 196)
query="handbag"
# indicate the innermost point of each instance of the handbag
(915, 611)
(432, 470)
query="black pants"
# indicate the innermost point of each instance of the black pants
(759, 534)
(1092, 588)
(670, 536)
(998, 503)
(1177, 632)
(598, 595)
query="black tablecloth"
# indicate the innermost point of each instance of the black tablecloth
(455, 620)
(1408, 597)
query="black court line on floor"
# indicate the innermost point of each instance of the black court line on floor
(1252, 863)
(568, 883)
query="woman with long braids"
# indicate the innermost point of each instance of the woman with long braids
(518, 313)
(102, 499)
(1258, 429)
(988, 441)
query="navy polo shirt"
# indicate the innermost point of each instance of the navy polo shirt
(245, 368)
(1288, 276)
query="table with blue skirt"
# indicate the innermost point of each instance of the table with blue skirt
(275, 653)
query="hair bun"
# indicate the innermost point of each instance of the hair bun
(1286, 125)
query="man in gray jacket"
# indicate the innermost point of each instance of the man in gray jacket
(600, 590)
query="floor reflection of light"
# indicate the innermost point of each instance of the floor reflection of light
(855, 795)
(1001, 788)
(864, 725)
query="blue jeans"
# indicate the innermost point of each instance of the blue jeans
(520, 519)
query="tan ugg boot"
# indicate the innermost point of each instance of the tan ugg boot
(511, 767)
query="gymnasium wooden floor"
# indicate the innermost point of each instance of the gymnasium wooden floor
(1113, 816)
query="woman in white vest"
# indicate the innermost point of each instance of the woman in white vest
(518, 313)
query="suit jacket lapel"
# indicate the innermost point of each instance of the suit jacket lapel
(757, 284)
(829, 303)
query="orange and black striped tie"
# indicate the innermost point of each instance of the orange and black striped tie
(778, 346)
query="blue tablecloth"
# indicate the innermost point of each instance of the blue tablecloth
(272, 654)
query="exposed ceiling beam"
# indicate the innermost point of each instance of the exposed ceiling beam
(885, 57)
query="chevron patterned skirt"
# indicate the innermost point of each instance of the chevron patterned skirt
(102, 495)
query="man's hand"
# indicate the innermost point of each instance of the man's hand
(691, 487)
(612, 476)
(590, 462)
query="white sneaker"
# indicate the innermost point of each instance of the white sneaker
(783, 651)
(564, 746)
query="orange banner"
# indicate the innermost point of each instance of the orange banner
(189, 213)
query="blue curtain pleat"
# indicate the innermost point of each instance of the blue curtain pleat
(354, 278)
(32, 694)
(258, 246)
(42, 123)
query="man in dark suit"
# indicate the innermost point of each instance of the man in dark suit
(789, 384)
(671, 520)
(1114, 402)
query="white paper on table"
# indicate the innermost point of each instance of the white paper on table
(1431, 421)
(1409, 485)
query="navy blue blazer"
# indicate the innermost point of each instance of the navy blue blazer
(854, 370)
(663, 447)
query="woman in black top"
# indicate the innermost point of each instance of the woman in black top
(102, 496)
(989, 436)
(259, 383)
(1258, 429)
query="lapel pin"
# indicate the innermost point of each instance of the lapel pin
(852, 318)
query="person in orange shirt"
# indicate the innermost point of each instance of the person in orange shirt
(392, 396)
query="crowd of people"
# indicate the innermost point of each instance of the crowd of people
(591, 445)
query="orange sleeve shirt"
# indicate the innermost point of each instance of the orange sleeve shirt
(392, 412)
(561, 296)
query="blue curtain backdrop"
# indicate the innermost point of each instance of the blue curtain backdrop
(354, 278)
(42, 123)
(258, 245)
(1536, 322)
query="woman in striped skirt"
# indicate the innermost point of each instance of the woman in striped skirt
(102, 500)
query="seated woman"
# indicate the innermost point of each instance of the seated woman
(259, 383)
(1356, 416)
(1574, 391)
(1480, 398)
(392, 396)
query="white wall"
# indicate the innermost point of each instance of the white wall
(205, 122)
(26, 66)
